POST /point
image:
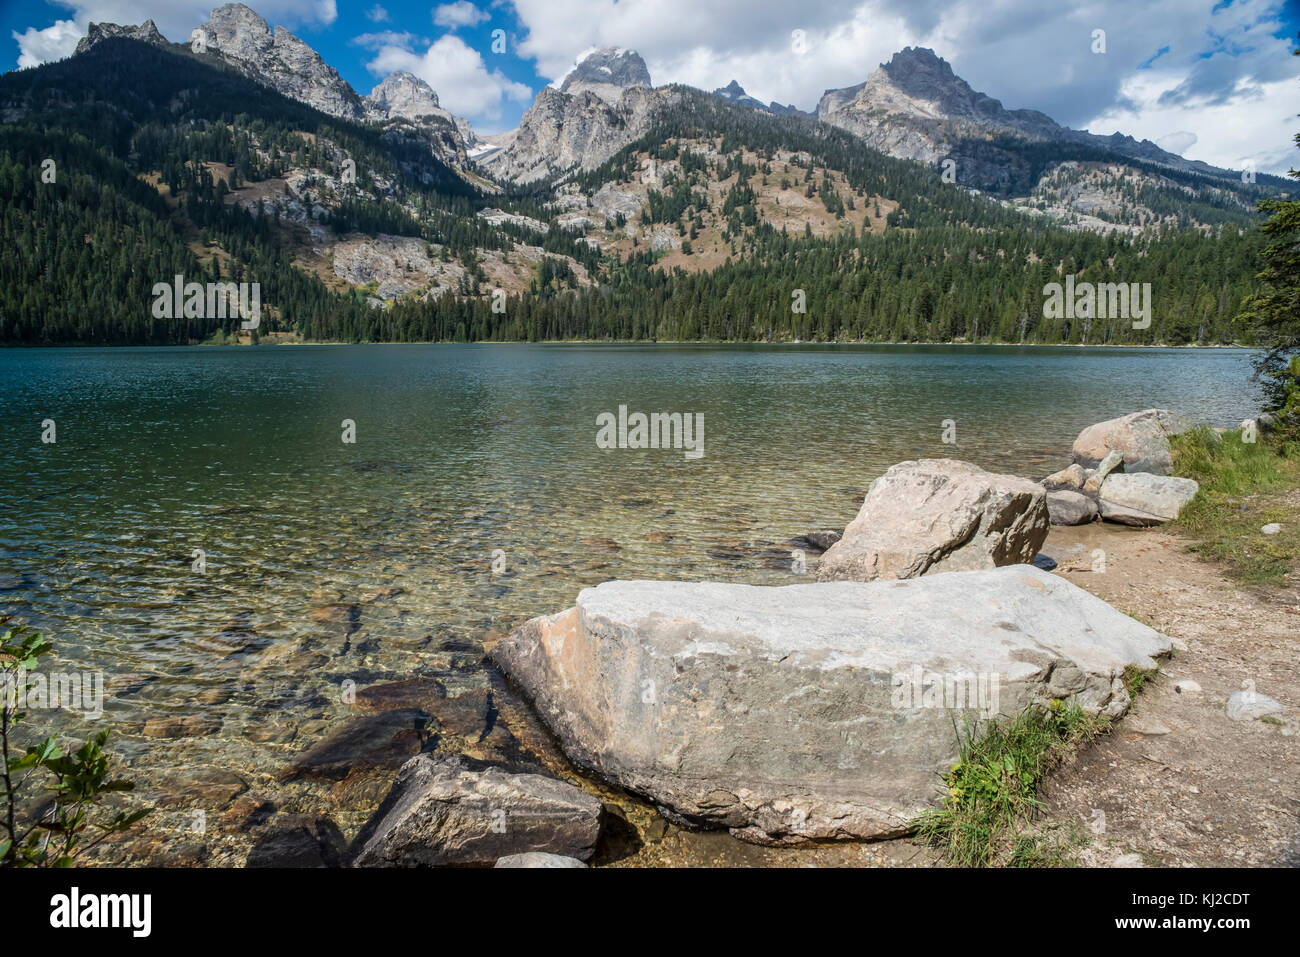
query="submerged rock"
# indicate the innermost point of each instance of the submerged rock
(377, 741)
(938, 515)
(1142, 438)
(810, 711)
(538, 859)
(446, 809)
(298, 841)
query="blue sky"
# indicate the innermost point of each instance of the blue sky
(1213, 80)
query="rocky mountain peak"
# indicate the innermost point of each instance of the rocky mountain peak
(146, 32)
(735, 93)
(278, 59)
(607, 73)
(406, 95)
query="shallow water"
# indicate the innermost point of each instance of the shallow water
(329, 562)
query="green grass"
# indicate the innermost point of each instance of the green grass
(992, 789)
(1244, 486)
(1135, 678)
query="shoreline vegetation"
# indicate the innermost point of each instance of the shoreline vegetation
(244, 342)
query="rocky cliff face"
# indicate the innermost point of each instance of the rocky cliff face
(607, 73)
(406, 95)
(237, 35)
(95, 32)
(915, 107)
(563, 131)
(405, 100)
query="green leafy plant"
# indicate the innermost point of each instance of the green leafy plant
(73, 779)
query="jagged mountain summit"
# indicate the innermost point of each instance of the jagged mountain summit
(915, 107)
(604, 103)
(607, 73)
(733, 92)
(239, 36)
(146, 32)
(403, 99)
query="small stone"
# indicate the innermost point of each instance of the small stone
(1187, 686)
(1128, 860)
(1145, 725)
(1272, 528)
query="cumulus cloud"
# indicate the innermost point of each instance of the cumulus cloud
(53, 43)
(457, 73)
(462, 13)
(174, 19)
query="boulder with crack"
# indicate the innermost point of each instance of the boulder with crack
(814, 711)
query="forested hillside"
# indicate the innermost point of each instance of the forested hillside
(722, 222)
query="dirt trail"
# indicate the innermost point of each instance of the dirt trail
(1178, 782)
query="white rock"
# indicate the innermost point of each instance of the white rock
(802, 712)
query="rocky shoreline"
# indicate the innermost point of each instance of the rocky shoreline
(800, 714)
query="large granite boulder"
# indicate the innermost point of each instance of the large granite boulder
(447, 809)
(937, 515)
(1141, 498)
(812, 711)
(1141, 437)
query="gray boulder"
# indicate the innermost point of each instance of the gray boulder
(1141, 437)
(447, 809)
(1145, 499)
(1070, 508)
(937, 515)
(812, 711)
(539, 859)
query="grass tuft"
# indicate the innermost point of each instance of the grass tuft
(992, 790)
(1244, 486)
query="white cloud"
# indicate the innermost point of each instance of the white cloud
(462, 13)
(53, 43)
(174, 19)
(458, 75)
(377, 14)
